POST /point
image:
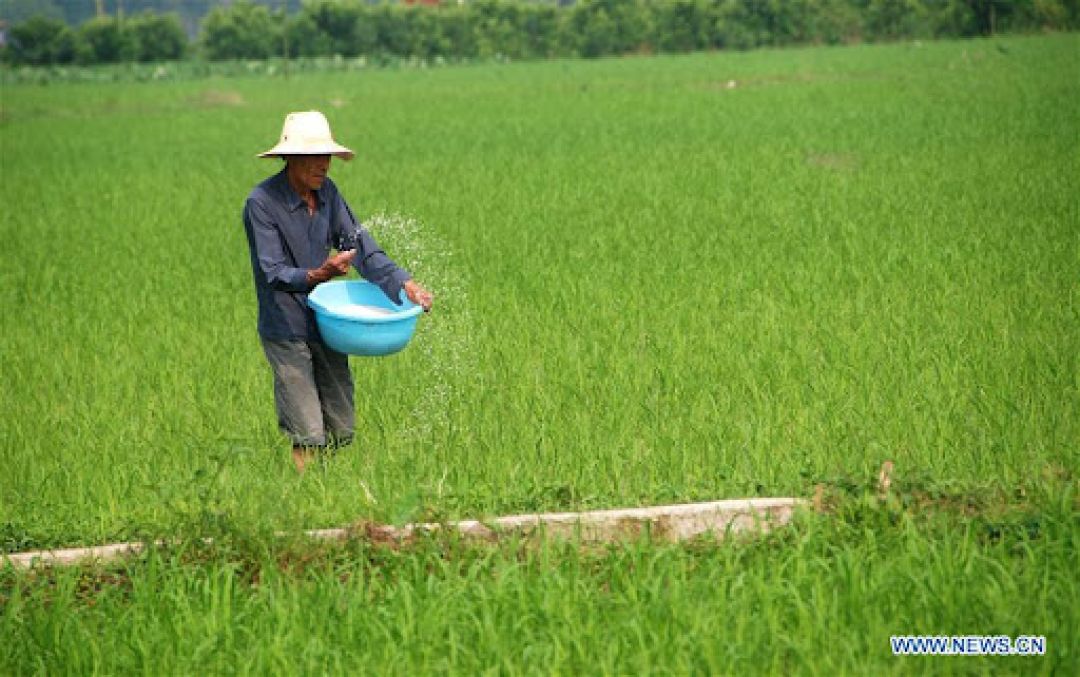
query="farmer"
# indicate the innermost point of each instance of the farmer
(292, 220)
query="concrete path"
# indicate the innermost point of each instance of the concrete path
(666, 522)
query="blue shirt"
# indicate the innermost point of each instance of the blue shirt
(286, 241)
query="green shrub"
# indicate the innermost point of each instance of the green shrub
(303, 37)
(599, 27)
(540, 24)
(337, 24)
(40, 41)
(157, 37)
(683, 25)
(523, 30)
(104, 39)
(458, 32)
(243, 30)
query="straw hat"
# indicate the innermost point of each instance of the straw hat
(307, 133)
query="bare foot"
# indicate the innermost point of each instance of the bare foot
(301, 457)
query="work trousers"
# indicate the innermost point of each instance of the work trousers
(313, 392)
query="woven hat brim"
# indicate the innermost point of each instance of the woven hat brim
(334, 149)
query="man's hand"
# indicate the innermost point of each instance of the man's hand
(418, 295)
(335, 266)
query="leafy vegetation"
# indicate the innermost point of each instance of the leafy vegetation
(144, 37)
(529, 30)
(825, 594)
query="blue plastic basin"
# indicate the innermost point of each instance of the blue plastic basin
(347, 327)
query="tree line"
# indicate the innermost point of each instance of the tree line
(519, 29)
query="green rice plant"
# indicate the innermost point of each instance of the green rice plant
(659, 280)
(824, 594)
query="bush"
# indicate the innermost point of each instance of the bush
(683, 25)
(388, 24)
(540, 24)
(338, 25)
(423, 35)
(303, 37)
(495, 23)
(243, 30)
(458, 32)
(518, 29)
(104, 40)
(589, 31)
(594, 28)
(40, 41)
(157, 37)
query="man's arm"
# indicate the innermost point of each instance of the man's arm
(270, 250)
(274, 260)
(336, 265)
(371, 261)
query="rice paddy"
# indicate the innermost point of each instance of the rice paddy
(657, 280)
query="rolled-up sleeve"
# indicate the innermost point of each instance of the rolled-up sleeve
(371, 261)
(270, 250)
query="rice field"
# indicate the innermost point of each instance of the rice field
(657, 280)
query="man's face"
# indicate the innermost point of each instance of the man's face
(309, 171)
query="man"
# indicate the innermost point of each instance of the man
(292, 220)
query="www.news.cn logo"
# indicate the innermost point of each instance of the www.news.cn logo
(968, 645)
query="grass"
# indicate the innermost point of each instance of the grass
(824, 595)
(652, 286)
